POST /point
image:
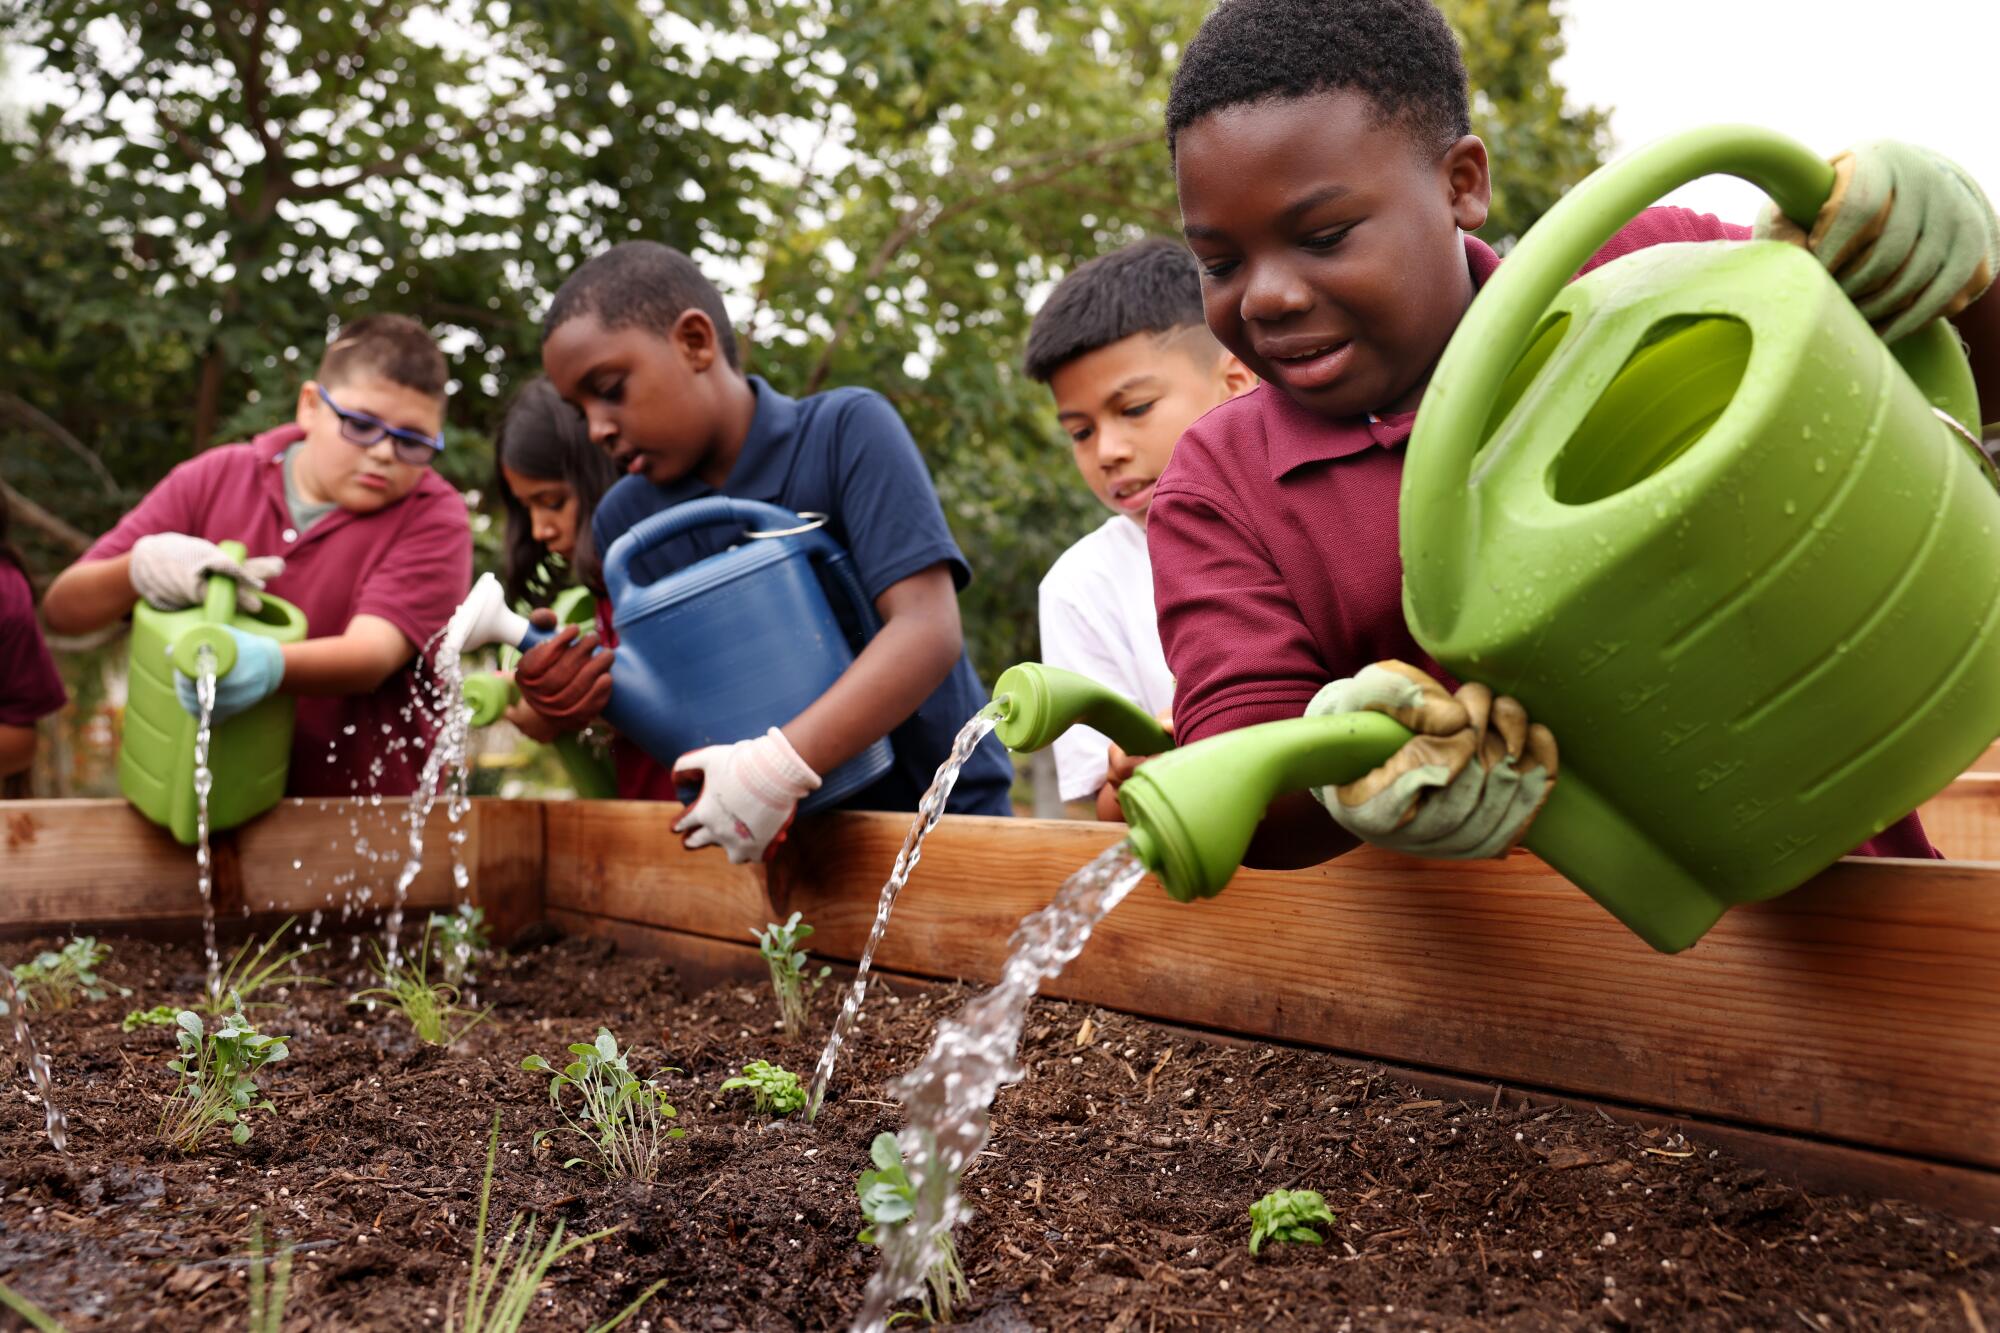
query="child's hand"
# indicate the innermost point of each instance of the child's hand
(1468, 784)
(749, 792)
(259, 669)
(526, 720)
(563, 679)
(170, 570)
(1907, 234)
(1119, 766)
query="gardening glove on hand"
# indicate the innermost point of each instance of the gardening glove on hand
(170, 570)
(749, 792)
(260, 667)
(567, 679)
(1468, 784)
(1906, 233)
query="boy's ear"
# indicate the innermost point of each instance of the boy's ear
(1232, 377)
(1469, 178)
(694, 337)
(308, 406)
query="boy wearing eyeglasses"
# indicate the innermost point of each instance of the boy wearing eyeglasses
(342, 516)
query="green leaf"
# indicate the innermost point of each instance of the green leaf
(240, 1134)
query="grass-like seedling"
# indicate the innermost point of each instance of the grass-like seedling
(32, 1314)
(500, 1287)
(1288, 1215)
(431, 1006)
(773, 1088)
(258, 966)
(780, 947)
(218, 1083)
(159, 1016)
(887, 1198)
(59, 978)
(270, 1284)
(457, 941)
(623, 1117)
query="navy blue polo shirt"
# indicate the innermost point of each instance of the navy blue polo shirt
(846, 454)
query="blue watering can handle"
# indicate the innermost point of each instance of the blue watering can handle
(708, 512)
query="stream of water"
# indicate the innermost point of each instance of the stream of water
(929, 811)
(949, 1096)
(444, 771)
(204, 866)
(31, 1056)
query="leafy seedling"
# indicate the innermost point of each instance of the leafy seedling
(258, 966)
(780, 947)
(59, 978)
(270, 1284)
(218, 1084)
(1288, 1215)
(888, 1199)
(457, 941)
(621, 1116)
(773, 1088)
(159, 1016)
(432, 1007)
(501, 1286)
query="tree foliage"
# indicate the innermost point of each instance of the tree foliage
(883, 188)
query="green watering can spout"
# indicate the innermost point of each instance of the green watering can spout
(218, 611)
(1039, 703)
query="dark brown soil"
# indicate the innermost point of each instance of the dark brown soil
(1114, 1196)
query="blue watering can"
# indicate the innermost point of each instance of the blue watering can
(722, 649)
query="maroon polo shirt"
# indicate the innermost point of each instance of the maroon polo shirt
(30, 689)
(409, 564)
(1277, 563)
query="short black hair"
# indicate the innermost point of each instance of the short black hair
(641, 284)
(1149, 286)
(1401, 54)
(392, 347)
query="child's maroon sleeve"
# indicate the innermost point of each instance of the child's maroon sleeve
(430, 570)
(175, 505)
(1664, 226)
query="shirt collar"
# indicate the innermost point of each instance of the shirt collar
(1303, 436)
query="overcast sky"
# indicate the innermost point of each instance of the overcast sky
(1828, 72)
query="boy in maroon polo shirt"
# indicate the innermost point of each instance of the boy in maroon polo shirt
(1327, 179)
(343, 517)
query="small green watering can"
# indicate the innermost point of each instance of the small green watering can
(490, 695)
(249, 755)
(1741, 557)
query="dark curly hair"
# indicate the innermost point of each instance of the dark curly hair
(545, 438)
(641, 284)
(1399, 53)
(1149, 286)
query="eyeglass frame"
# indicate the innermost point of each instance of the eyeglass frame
(433, 445)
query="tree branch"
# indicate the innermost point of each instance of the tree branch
(26, 414)
(42, 520)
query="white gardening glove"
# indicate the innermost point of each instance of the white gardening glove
(1467, 785)
(170, 570)
(749, 792)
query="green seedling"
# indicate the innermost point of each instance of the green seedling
(32, 1314)
(58, 978)
(432, 1007)
(500, 1287)
(622, 1117)
(218, 1083)
(774, 1089)
(258, 966)
(1288, 1215)
(270, 1284)
(457, 941)
(159, 1016)
(888, 1199)
(780, 947)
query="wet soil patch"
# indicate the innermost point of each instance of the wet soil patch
(1113, 1196)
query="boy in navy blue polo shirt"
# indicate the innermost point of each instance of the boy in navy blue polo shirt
(639, 340)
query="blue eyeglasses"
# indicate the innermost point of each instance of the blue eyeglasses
(364, 431)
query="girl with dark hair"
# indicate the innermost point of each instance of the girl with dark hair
(30, 689)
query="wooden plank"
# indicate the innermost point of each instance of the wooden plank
(1988, 761)
(622, 859)
(506, 858)
(698, 960)
(1963, 820)
(1864, 1007)
(89, 862)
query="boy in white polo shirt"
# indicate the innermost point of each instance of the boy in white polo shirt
(1124, 349)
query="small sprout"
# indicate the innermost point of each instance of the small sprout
(780, 947)
(159, 1016)
(887, 1199)
(621, 1116)
(457, 942)
(269, 1284)
(32, 1314)
(218, 1084)
(501, 1287)
(254, 970)
(772, 1088)
(57, 979)
(1288, 1215)
(431, 1007)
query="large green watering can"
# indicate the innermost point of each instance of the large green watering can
(249, 755)
(1741, 557)
(489, 695)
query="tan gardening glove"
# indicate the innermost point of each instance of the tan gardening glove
(1467, 785)
(170, 570)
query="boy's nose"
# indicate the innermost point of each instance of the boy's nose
(1113, 447)
(603, 430)
(1273, 292)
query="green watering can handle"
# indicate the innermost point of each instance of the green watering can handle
(218, 610)
(1497, 328)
